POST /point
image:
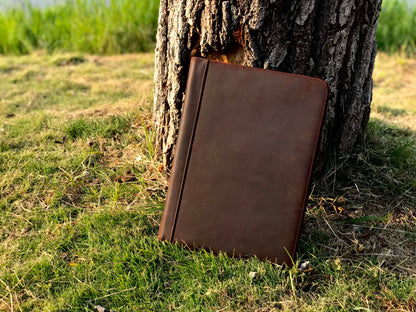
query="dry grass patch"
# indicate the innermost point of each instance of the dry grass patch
(394, 97)
(60, 85)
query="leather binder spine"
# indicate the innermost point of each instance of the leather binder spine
(194, 89)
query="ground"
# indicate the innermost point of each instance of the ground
(82, 195)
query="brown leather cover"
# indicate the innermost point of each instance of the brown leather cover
(243, 161)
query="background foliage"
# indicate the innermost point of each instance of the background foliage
(397, 27)
(98, 26)
(124, 26)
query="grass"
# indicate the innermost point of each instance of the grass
(82, 196)
(396, 28)
(125, 26)
(395, 99)
(98, 26)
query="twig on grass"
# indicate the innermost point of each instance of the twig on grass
(19, 282)
(21, 217)
(116, 293)
(333, 232)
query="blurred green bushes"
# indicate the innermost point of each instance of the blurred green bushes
(123, 26)
(397, 27)
(98, 26)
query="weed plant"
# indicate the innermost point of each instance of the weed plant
(94, 26)
(397, 27)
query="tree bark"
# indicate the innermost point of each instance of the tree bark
(330, 39)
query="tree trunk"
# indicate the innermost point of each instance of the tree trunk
(330, 39)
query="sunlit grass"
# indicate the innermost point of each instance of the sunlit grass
(394, 99)
(81, 197)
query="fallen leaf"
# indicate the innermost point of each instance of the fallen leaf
(304, 266)
(252, 275)
(125, 178)
(337, 262)
(100, 308)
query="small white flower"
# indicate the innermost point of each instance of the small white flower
(304, 265)
(139, 158)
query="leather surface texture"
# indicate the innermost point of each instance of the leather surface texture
(243, 160)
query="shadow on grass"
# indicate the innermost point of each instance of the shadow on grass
(392, 111)
(363, 209)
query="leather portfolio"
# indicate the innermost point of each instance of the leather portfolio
(243, 160)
